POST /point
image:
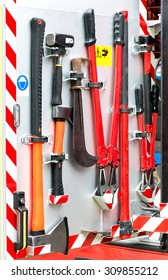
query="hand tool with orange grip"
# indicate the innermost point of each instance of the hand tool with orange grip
(108, 156)
(58, 236)
(59, 42)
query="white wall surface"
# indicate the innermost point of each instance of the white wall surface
(104, 7)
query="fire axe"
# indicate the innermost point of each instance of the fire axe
(57, 238)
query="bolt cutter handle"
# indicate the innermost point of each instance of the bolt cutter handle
(89, 22)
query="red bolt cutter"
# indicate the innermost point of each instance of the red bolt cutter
(108, 156)
(147, 148)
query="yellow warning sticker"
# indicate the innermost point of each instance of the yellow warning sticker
(104, 55)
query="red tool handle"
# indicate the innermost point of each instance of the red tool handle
(125, 223)
(119, 43)
(90, 40)
(116, 106)
(141, 126)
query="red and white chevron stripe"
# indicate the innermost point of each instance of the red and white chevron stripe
(145, 30)
(11, 149)
(78, 241)
(108, 200)
(153, 224)
(60, 199)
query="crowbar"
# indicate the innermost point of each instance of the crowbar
(125, 222)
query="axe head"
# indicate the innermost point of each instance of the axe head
(57, 238)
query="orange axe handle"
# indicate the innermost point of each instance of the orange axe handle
(59, 137)
(37, 192)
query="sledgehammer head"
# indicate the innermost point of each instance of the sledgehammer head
(57, 238)
(59, 40)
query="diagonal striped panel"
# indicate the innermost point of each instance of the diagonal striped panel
(11, 137)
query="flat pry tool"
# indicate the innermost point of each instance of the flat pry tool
(58, 236)
(125, 221)
(81, 155)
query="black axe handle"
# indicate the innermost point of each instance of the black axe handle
(57, 84)
(37, 35)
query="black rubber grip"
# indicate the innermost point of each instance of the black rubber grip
(57, 86)
(147, 91)
(155, 98)
(89, 24)
(139, 99)
(119, 29)
(37, 36)
(145, 40)
(56, 169)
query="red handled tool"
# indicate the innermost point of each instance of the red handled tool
(125, 223)
(108, 156)
(147, 110)
(147, 43)
(147, 149)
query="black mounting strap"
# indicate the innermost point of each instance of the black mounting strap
(37, 139)
(126, 110)
(95, 85)
(58, 158)
(53, 51)
(141, 134)
(76, 76)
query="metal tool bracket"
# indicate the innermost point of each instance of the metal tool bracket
(128, 110)
(135, 135)
(141, 48)
(102, 85)
(29, 139)
(108, 200)
(19, 205)
(54, 51)
(47, 158)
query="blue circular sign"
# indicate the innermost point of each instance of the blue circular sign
(22, 82)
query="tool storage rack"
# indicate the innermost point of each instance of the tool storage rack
(91, 220)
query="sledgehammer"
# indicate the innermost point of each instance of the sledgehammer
(58, 236)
